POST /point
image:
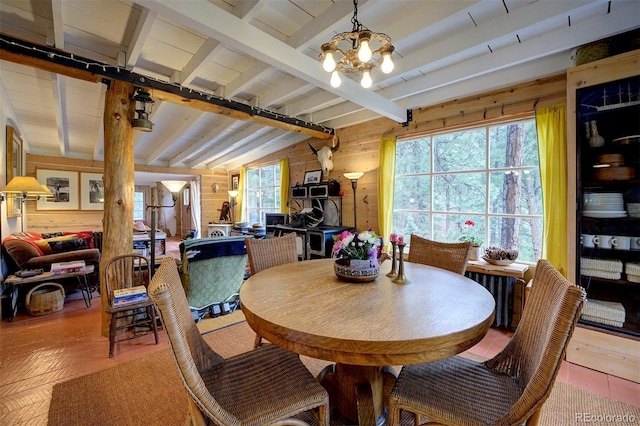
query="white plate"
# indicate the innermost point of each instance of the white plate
(604, 214)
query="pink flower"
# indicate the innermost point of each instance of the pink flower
(393, 238)
(400, 240)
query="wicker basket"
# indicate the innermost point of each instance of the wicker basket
(592, 51)
(44, 301)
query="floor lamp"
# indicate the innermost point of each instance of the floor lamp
(174, 186)
(353, 177)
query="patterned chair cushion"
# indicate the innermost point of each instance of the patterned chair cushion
(213, 269)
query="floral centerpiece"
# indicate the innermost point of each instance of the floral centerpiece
(357, 255)
(469, 233)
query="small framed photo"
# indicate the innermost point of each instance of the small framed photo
(313, 176)
(64, 187)
(235, 182)
(91, 191)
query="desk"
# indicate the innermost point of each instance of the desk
(303, 307)
(15, 282)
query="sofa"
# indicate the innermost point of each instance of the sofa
(213, 270)
(33, 250)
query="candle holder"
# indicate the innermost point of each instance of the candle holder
(401, 278)
(393, 273)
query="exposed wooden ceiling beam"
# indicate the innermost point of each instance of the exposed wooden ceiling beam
(63, 63)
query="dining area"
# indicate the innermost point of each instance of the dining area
(369, 331)
(364, 328)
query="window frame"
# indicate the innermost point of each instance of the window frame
(488, 215)
(247, 209)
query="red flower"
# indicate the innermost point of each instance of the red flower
(470, 223)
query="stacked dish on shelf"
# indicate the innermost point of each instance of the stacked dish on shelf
(603, 205)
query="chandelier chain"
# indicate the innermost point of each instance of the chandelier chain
(357, 26)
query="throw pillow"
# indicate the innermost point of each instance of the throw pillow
(66, 243)
(44, 246)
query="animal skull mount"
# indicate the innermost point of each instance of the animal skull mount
(325, 155)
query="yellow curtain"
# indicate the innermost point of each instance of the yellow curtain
(386, 174)
(284, 185)
(239, 213)
(551, 125)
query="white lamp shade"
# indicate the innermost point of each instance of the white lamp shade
(233, 194)
(174, 185)
(354, 175)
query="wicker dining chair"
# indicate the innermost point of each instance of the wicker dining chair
(133, 319)
(267, 385)
(270, 252)
(450, 256)
(510, 388)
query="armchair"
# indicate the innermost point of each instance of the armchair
(212, 273)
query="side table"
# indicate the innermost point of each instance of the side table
(16, 282)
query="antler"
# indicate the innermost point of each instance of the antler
(315, 151)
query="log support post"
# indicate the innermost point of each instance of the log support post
(117, 222)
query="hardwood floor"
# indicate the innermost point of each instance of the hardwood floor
(38, 352)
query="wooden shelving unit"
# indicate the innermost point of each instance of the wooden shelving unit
(605, 91)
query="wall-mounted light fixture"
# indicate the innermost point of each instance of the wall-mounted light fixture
(143, 106)
(353, 177)
(174, 186)
(25, 186)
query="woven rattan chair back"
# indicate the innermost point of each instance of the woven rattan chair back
(510, 388)
(535, 353)
(123, 272)
(205, 377)
(270, 252)
(450, 256)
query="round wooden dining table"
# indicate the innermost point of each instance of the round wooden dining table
(365, 327)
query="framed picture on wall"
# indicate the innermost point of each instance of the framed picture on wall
(91, 191)
(14, 168)
(313, 176)
(64, 187)
(235, 182)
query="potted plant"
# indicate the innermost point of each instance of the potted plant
(470, 234)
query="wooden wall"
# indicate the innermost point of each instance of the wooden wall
(76, 220)
(359, 144)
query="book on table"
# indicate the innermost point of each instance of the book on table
(67, 267)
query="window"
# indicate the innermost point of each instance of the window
(485, 174)
(138, 205)
(263, 192)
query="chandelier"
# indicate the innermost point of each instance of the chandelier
(360, 57)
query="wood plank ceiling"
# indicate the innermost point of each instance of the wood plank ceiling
(264, 53)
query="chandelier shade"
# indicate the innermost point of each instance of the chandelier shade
(352, 52)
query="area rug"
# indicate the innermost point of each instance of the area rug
(207, 325)
(148, 391)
